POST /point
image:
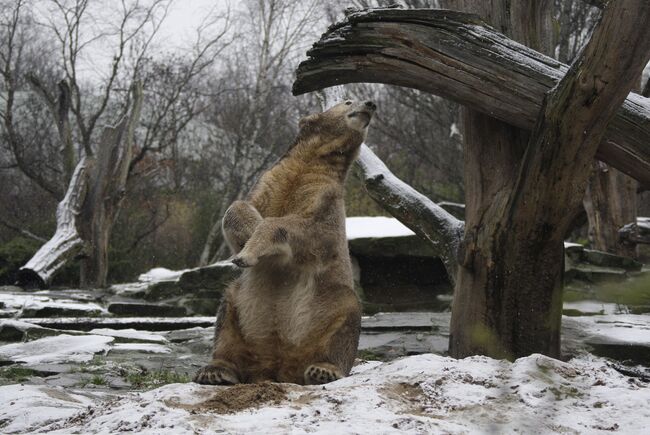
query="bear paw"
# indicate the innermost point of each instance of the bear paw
(244, 260)
(321, 374)
(215, 375)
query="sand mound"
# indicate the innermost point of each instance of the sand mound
(244, 396)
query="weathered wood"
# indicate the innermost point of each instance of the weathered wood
(66, 242)
(492, 152)
(457, 56)
(106, 192)
(522, 249)
(610, 203)
(424, 217)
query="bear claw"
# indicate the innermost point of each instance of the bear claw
(215, 375)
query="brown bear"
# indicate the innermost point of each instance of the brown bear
(293, 316)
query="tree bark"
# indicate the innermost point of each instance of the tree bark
(106, 191)
(514, 263)
(453, 54)
(610, 203)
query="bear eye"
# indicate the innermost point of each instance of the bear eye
(347, 103)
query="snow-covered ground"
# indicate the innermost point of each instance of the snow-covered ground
(417, 394)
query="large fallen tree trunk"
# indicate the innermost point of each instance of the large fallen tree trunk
(459, 57)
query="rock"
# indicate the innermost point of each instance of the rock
(11, 289)
(61, 310)
(138, 323)
(605, 259)
(130, 335)
(131, 289)
(139, 347)
(391, 247)
(145, 310)
(623, 337)
(162, 290)
(183, 335)
(13, 330)
(214, 277)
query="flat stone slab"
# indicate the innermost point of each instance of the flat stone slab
(145, 310)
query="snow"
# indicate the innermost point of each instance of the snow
(35, 302)
(62, 348)
(416, 394)
(158, 274)
(621, 328)
(27, 407)
(140, 347)
(596, 307)
(379, 226)
(130, 334)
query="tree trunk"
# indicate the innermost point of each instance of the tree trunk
(452, 54)
(483, 302)
(508, 296)
(610, 203)
(86, 215)
(106, 192)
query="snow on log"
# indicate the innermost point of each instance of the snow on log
(66, 242)
(457, 56)
(424, 217)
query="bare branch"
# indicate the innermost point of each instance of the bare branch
(22, 231)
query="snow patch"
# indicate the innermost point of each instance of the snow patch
(131, 334)
(373, 227)
(158, 274)
(140, 347)
(61, 348)
(26, 408)
(417, 394)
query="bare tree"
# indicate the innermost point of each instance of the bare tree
(107, 163)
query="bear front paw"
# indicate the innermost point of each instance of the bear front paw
(216, 375)
(244, 261)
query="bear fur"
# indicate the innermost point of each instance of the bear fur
(293, 315)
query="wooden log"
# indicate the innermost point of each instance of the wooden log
(457, 56)
(424, 217)
(66, 242)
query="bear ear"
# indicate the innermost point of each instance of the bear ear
(306, 121)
